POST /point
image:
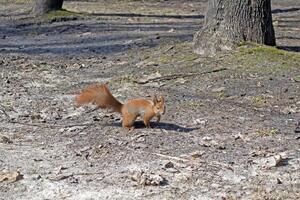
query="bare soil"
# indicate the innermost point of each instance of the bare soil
(231, 121)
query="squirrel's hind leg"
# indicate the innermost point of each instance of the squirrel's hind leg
(128, 121)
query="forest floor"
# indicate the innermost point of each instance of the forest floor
(230, 127)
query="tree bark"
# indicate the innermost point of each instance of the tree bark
(230, 22)
(44, 6)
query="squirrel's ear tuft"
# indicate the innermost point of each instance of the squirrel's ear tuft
(155, 99)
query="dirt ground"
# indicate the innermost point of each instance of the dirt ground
(228, 133)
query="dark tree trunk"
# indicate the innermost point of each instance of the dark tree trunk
(44, 6)
(230, 22)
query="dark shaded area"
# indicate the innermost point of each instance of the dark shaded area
(89, 37)
(297, 129)
(289, 37)
(95, 46)
(148, 15)
(290, 48)
(276, 11)
(43, 6)
(26, 29)
(161, 125)
(284, 162)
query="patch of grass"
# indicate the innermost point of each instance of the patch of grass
(266, 59)
(268, 132)
(42, 67)
(272, 52)
(243, 43)
(124, 79)
(222, 94)
(52, 15)
(190, 57)
(193, 104)
(180, 52)
(165, 59)
(297, 78)
(259, 101)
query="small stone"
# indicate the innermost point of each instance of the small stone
(183, 177)
(169, 165)
(205, 144)
(289, 110)
(6, 140)
(200, 122)
(221, 147)
(220, 89)
(272, 161)
(36, 177)
(190, 168)
(171, 170)
(146, 179)
(206, 138)
(197, 154)
(297, 129)
(238, 136)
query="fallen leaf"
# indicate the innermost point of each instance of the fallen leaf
(272, 161)
(6, 140)
(11, 176)
(147, 78)
(147, 179)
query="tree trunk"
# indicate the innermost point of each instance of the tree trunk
(44, 6)
(230, 22)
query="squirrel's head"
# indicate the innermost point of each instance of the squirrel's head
(159, 105)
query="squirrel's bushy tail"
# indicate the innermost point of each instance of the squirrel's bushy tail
(99, 95)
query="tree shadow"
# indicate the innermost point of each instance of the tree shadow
(161, 125)
(290, 48)
(85, 37)
(148, 15)
(96, 46)
(285, 10)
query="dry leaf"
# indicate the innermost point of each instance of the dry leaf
(11, 176)
(146, 179)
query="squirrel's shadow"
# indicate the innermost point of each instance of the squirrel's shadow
(159, 125)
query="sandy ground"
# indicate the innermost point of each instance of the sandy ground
(229, 131)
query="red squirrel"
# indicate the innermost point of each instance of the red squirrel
(101, 96)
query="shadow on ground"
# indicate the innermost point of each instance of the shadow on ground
(290, 48)
(149, 15)
(87, 37)
(161, 125)
(285, 10)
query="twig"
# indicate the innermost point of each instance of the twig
(87, 173)
(92, 110)
(216, 164)
(172, 157)
(62, 177)
(168, 49)
(4, 112)
(175, 76)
